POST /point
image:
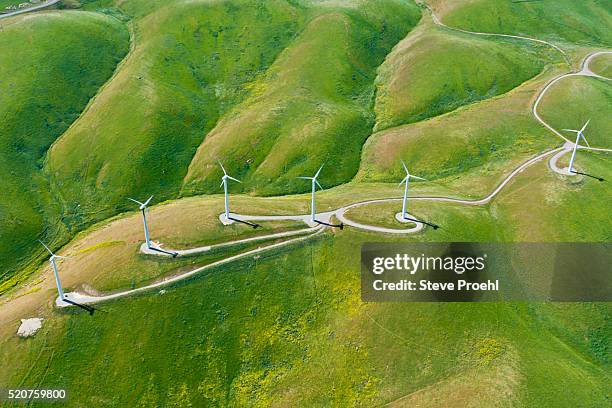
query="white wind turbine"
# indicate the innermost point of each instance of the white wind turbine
(579, 134)
(406, 181)
(315, 183)
(143, 208)
(52, 259)
(224, 184)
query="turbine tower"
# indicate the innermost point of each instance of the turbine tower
(52, 259)
(579, 134)
(406, 181)
(315, 183)
(143, 208)
(224, 184)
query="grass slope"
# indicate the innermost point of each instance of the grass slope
(190, 63)
(264, 331)
(602, 65)
(577, 203)
(53, 63)
(480, 136)
(574, 100)
(311, 107)
(581, 22)
(414, 84)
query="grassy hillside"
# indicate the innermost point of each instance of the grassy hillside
(602, 65)
(550, 208)
(311, 107)
(190, 63)
(572, 101)
(582, 22)
(53, 63)
(274, 89)
(482, 136)
(263, 331)
(413, 84)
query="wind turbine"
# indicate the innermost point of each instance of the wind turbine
(224, 184)
(579, 134)
(315, 183)
(406, 181)
(143, 208)
(54, 265)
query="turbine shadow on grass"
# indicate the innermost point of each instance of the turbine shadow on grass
(173, 254)
(434, 226)
(341, 225)
(255, 226)
(588, 175)
(90, 309)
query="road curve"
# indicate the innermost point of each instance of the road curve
(340, 213)
(439, 22)
(192, 251)
(584, 69)
(89, 299)
(29, 9)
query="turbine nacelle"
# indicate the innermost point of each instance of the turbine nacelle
(314, 178)
(409, 176)
(142, 205)
(227, 176)
(580, 133)
(53, 256)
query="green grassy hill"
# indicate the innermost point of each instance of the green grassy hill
(312, 107)
(53, 63)
(263, 331)
(274, 89)
(575, 100)
(481, 136)
(414, 84)
(583, 22)
(602, 65)
(191, 62)
(196, 69)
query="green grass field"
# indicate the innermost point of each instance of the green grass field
(274, 89)
(602, 65)
(580, 22)
(413, 85)
(54, 63)
(312, 106)
(494, 132)
(587, 98)
(263, 331)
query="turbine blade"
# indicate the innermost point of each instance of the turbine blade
(148, 201)
(318, 184)
(418, 178)
(405, 168)
(584, 138)
(571, 130)
(585, 125)
(235, 179)
(136, 201)
(403, 180)
(46, 247)
(222, 168)
(304, 178)
(222, 182)
(318, 171)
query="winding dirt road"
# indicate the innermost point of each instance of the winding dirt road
(340, 213)
(29, 9)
